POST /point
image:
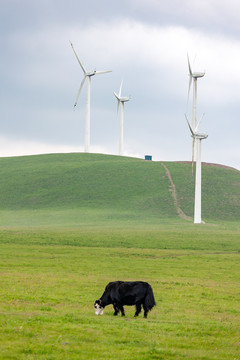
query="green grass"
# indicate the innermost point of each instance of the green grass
(51, 277)
(220, 191)
(71, 223)
(113, 188)
(171, 235)
(83, 181)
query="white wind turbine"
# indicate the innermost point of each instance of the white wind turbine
(121, 100)
(87, 76)
(197, 138)
(194, 76)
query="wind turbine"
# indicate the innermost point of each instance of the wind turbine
(194, 76)
(197, 138)
(121, 100)
(87, 76)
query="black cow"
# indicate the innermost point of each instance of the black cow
(120, 293)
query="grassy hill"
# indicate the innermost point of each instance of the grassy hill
(69, 224)
(94, 186)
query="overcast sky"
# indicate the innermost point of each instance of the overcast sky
(143, 42)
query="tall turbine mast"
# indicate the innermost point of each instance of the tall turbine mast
(87, 76)
(121, 100)
(197, 137)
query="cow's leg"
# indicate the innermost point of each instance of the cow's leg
(145, 311)
(138, 309)
(121, 308)
(116, 310)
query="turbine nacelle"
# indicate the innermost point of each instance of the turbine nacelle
(197, 75)
(192, 75)
(91, 73)
(200, 136)
(119, 97)
(87, 74)
(122, 99)
(194, 132)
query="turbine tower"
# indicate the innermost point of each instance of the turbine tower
(197, 138)
(194, 76)
(87, 76)
(121, 100)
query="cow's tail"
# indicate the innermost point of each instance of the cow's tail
(149, 299)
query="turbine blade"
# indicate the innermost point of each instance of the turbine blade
(116, 95)
(189, 66)
(190, 76)
(193, 147)
(102, 72)
(120, 89)
(199, 123)
(189, 126)
(189, 86)
(79, 91)
(118, 107)
(80, 63)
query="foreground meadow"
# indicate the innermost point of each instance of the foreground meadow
(51, 277)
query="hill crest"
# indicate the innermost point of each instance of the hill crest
(114, 184)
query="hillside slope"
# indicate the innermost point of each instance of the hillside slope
(220, 190)
(115, 184)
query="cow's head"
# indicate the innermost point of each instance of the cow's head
(98, 307)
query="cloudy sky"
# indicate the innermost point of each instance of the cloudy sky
(143, 42)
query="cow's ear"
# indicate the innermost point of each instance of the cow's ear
(100, 302)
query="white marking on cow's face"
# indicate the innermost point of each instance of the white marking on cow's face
(98, 309)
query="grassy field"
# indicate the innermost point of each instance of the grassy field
(50, 278)
(69, 224)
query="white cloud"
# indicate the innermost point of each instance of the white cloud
(15, 147)
(156, 50)
(129, 46)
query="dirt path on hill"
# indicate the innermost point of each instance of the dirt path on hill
(172, 189)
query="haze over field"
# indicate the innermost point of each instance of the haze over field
(143, 42)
